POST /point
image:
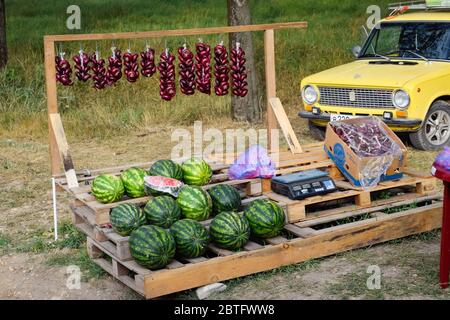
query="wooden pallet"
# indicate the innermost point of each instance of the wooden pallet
(84, 197)
(350, 198)
(299, 242)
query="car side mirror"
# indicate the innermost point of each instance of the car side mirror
(356, 50)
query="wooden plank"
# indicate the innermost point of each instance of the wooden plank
(63, 147)
(219, 251)
(277, 240)
(303, 232)
(244, 263)
(250, 246)
(271, 91)
(353, 213)
(174, 33)
(285, 125)
(52, 103)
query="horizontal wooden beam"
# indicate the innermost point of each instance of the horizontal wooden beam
(175, 33)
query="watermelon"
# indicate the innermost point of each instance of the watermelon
(126, 217)
(166, 168)
(195, 203)
(266, 218)
(152, 246)
(107, 188)
(190, 237)
(162, 211)
(225, 198)
(133, 182)
(159, 185)
(196, 172)
(230, 230)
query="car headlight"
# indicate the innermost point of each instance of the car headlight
(309, 94)
(401, 99)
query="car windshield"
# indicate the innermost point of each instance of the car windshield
(409, 40)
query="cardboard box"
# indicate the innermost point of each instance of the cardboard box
(350, 164)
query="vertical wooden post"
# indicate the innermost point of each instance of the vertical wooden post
(52, 104)
(269, 61)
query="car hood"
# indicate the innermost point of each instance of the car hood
(363, 73)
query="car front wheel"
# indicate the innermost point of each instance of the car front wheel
(435, 131)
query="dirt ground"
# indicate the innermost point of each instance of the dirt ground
(33, 266)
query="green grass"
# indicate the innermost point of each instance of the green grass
(4, 243)
(334, 26)
(78, 258)
(41, 241)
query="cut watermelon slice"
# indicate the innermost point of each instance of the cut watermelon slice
(160, 184)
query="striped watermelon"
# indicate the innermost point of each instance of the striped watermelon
(152, 246)
(133, 182)
(195, 203)
(162, 211)
(166, 168)
(191, 238)
(225, 198)
(107, 188)
(196, 172)
(126, 217)
(230, 230)
(266, 218)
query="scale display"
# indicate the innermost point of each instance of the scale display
(301, 185)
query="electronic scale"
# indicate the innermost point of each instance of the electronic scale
(301, 185)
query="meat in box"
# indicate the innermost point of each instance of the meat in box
(365, 150)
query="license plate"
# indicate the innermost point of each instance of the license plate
(339, 117)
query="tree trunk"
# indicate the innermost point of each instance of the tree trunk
(3, 50)
(247, 108)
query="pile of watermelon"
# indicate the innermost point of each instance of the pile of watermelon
(169, 223)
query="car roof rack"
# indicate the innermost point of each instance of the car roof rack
(400, 7)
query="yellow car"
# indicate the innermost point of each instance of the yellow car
(401, 74)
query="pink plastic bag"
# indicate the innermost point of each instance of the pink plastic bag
(253, 163)
(443, 159)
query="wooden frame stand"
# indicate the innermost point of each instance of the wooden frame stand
(59, 148)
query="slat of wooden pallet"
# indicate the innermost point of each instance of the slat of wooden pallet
(86, 214)
(219, 251)
(353, 210)
(370, 220)
(277, 240)
(250, 246)
(195, 260)
(303, 232)
(174, 264)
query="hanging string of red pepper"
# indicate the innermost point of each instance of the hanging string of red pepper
(99, 71)
(131, 66)
(238, 71)
(63, 70)
(194, 74)
(187, 70)
(166, 69)
(148, 67)
(82, 66)
(114, 72)
(221, 70)
(203, 67)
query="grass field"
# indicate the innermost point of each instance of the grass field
(334, 26)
